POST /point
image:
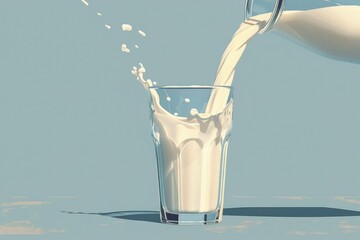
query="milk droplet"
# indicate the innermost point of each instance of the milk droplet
(136, 46)
(176, 114)
(168, 99)
(142, 33)
(187, 100)
(126, 27)
(125, 49)
(107, 26)
(99, 14)
(85, 2)
(194, 112)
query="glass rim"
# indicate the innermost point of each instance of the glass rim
(191, 87)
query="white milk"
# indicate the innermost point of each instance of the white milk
(192, 146)
(191, 149)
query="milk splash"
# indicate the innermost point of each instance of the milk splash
(191, 152)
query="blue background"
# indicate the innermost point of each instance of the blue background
(75, 131)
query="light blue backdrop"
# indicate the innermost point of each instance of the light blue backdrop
(74, 122)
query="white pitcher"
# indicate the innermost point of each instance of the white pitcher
(328, 27)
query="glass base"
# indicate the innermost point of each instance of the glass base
(191, 218)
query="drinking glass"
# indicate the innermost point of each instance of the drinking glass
(191, 150)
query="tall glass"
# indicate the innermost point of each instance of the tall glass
(191, 149)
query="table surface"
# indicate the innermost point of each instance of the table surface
(250, 217)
